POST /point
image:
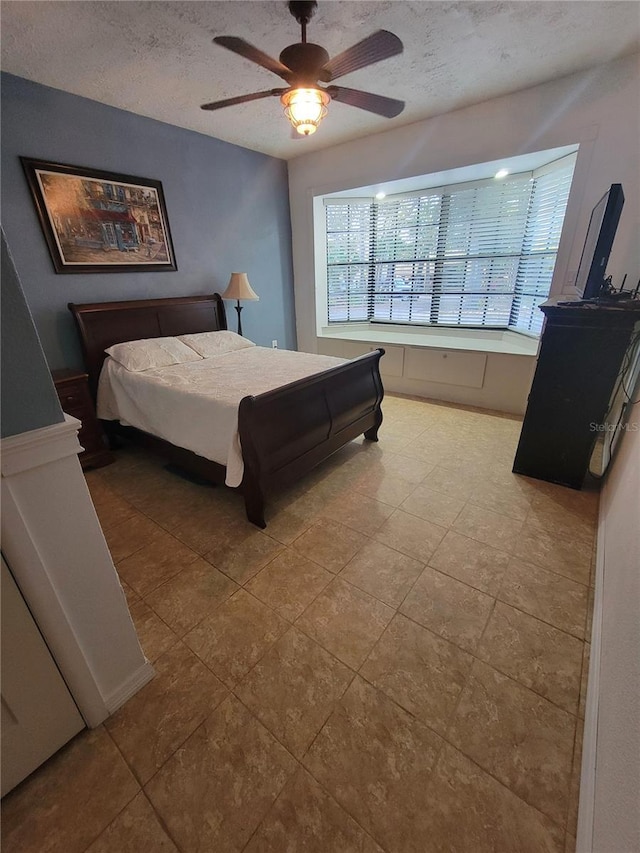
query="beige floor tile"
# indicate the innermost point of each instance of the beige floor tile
(413, 536)
(110, 507)
(306, 818)
(155, 563)
(383, 572)
(289, 583)
(412, 470)
(448, 607)
(535, 654)
(395, 443)
(389, 488)
(293, 688)
(217, 788)
(152, 724)
(562, 522)
(452, 483)
(187, 598)
(130, 536)
(518, 737)
(235, 636)
(429, 451)
(512, 500)
(135, 482)
(491, 528)
(286, 522)
(135, 829)
(244, 560)
(154, 635)
(358, 511)
(209, 533)
(467, 811)
(546, 595)
(568, 557)
(468, 560)
(376, 759)
(374, 756)
(329, 544)
(419, 670)
(433, 505)
(172, 506)
(404, 428)
(86, 779)
(346, 621)
(583, 503)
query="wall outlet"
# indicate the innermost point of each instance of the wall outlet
(274, 344)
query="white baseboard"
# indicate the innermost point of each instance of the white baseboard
(586, 810)
(130, 687)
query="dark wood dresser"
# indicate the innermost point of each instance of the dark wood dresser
(581, 355)
(73, 392)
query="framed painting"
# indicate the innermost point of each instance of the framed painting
(95, 221)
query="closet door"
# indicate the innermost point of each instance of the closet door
(38, 712)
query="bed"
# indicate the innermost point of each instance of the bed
(283, 433)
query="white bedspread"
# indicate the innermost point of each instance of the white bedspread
(195, 405)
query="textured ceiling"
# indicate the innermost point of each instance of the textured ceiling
(157, 58)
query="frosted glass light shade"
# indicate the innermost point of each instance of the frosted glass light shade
(305, 108)
(239, 287)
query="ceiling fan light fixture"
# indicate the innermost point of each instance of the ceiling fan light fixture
(305, 108)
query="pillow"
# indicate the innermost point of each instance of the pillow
(209, 344)
(152, 352)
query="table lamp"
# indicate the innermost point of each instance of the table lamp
(239, 288)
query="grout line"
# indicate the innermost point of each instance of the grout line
(162, 822)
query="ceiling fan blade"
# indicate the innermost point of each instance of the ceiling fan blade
(379, 104)
(379, 45)
(243, 48)
(241, 99)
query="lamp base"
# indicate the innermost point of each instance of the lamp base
(239, 309)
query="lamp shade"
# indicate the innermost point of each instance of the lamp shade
(305, 108)
(239, 287)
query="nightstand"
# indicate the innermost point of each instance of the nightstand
(73, 392)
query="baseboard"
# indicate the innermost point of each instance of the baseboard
(586, 810)
(130, 687)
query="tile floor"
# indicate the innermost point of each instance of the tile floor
(397, 663)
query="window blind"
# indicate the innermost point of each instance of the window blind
(479, 254)
(547, 208)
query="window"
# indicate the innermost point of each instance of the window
(473, 254)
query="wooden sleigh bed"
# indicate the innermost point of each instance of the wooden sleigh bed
(283, 433)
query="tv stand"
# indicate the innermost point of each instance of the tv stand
(581, 353)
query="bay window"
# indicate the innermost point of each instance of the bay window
(478, 254)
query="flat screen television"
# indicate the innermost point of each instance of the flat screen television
(598, 242)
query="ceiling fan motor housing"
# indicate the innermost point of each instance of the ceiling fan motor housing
(306, 61)
(303, 10)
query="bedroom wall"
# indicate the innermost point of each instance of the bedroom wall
(23, 362)
(611, 758)
(599, 109)
(228, 211)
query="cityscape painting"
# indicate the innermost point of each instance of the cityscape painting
(96, 221)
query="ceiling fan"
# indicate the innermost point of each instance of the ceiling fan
(304, 65)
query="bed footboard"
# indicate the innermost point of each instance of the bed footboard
(287, 432)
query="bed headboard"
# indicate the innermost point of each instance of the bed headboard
(102, 324)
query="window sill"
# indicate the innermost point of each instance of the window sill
(473, 340)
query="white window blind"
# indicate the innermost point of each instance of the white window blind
(348, 256)
(479, 254)
(540, 245)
